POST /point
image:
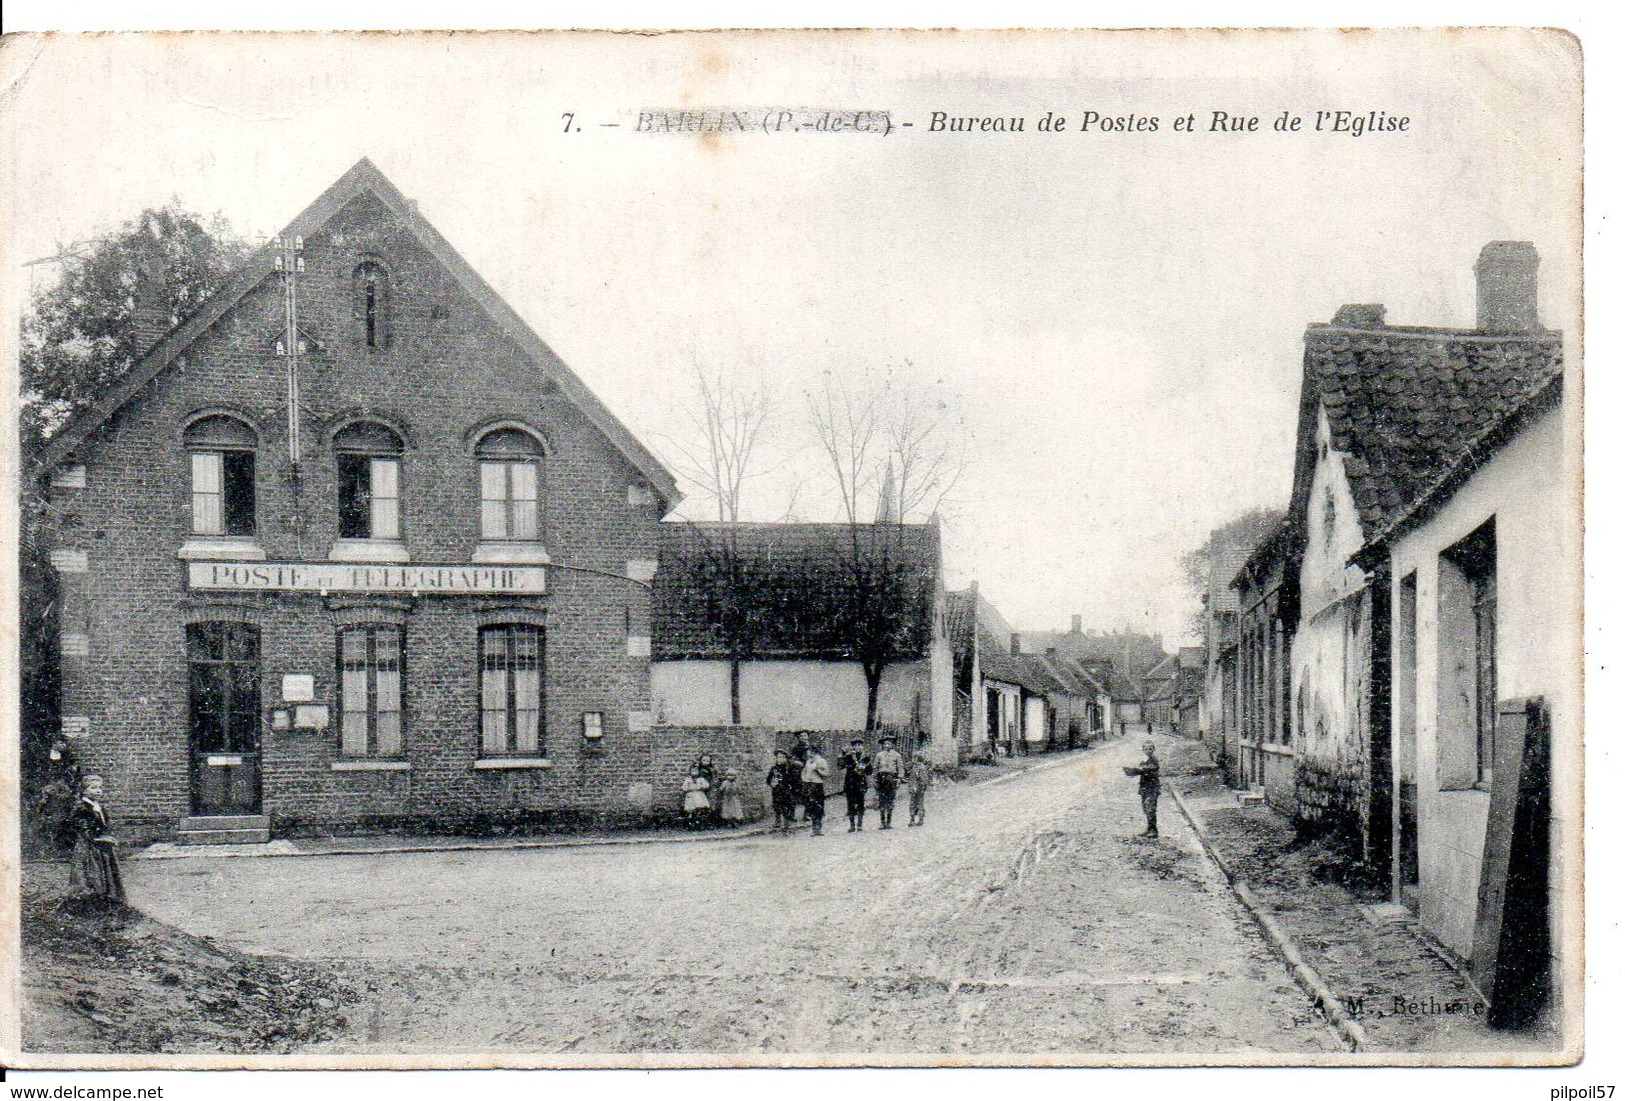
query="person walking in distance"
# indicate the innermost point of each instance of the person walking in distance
(919, 782)
(855, 769)
(888, 771)
(1150, 773)
(813, 775)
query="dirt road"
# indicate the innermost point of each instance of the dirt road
(1024, 917)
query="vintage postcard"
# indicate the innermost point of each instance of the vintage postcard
(794, 548)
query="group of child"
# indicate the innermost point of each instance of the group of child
(799, 778)
(709, 798)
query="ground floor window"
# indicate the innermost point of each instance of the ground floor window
(511, 689)
(370, 680)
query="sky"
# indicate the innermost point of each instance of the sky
(1113, 319)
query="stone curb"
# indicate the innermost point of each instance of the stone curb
(1303, 973)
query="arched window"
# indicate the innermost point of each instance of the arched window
(369, 474)
(371, 290)
(221, 449)
(510, 469)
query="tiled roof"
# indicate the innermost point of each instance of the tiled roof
(798, 576)
(1404, 404)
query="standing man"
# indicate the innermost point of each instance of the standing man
(888, 771)
(813, 775)
(855, 769)
(1150, 773)
(919, 782)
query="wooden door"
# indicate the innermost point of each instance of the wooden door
(224, 665)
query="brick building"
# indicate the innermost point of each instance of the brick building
(351, 545)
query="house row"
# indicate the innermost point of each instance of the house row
(1396, 663)
(1018, 701)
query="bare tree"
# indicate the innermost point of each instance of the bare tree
(892, 454)
(721, 459)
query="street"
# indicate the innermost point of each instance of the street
(1026, 916)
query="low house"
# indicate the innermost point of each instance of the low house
(1485, 587)
(1260, 756)
(763, 624)
(1385, 411)
(1221, 610)
(1188, 689)
(1116, 660)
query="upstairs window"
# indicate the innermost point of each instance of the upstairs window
(510, 468)
(221, 449)
(370, 287)
(369, 474)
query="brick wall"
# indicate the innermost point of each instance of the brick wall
(445, 369)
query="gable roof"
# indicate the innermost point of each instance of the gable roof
(798, 578)
(1478, 452)
(1403, 404)
(363, 178)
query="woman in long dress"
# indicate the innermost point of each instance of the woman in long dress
(94, 869)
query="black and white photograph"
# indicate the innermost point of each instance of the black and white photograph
(795, 549)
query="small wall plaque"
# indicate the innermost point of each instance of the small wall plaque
(310, 716)
(298, 688)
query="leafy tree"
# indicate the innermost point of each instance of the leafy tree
(80, 333)
(1245, 532)
(79, 337)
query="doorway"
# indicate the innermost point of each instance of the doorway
(223, 661)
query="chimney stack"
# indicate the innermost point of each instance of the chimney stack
(1015, 644)
(1077, 625)
(1506, 287)
(1368, 315)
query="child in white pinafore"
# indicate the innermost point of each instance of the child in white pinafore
(696, 801)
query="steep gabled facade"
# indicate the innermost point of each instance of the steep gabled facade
(351, 546)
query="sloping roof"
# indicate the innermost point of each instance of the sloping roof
(363, 178)
(998, 663)
(1193, 657)
(1404, 404)
(1495, 437)
(798, 577)
(1228, 558)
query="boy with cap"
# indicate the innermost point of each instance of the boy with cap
(855, 770)
(813, 775)
(1150, 773)
(888, 771)
(919, 782)
(781, 786)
